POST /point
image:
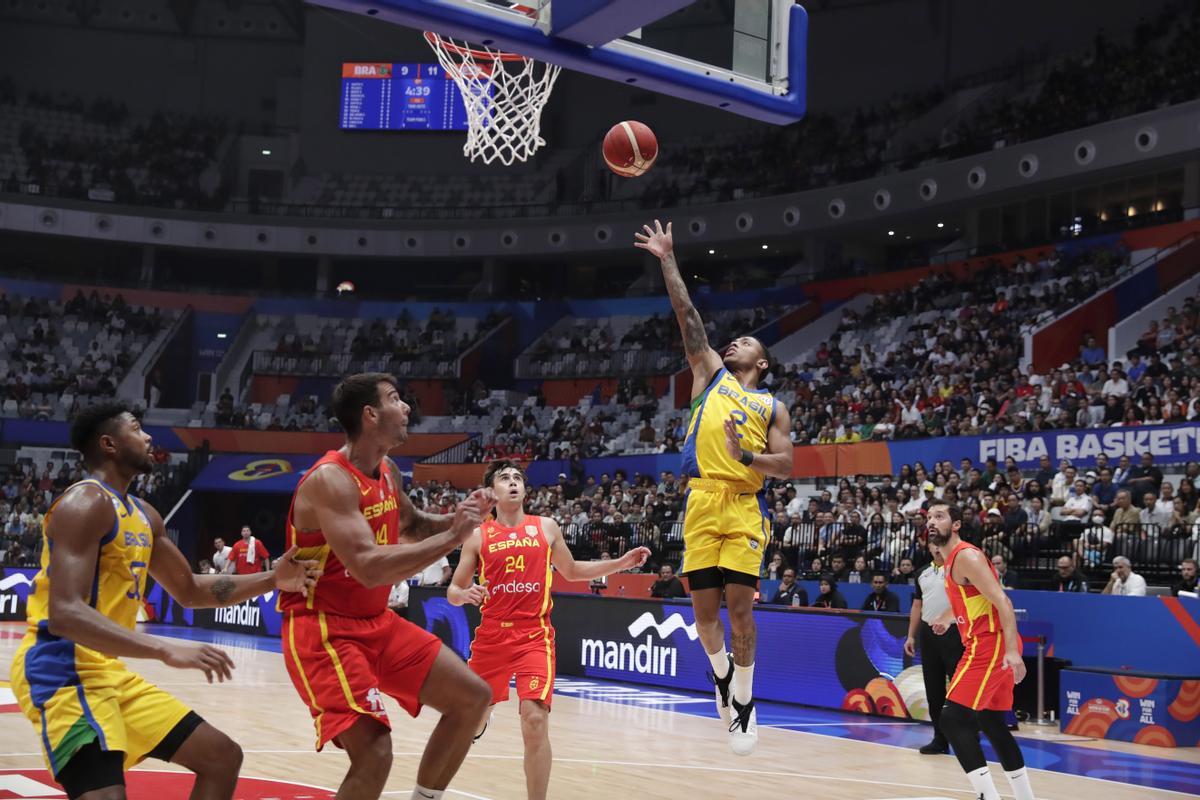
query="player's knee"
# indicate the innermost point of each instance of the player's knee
(741, 620)
(535, 721)
(377, 754)
(957, 718)
(476, 697)
(107, 793)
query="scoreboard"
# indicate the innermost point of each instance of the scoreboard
(400, 97)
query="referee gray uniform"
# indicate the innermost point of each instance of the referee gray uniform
(939, 654)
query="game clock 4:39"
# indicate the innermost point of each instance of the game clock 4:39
(400, 97)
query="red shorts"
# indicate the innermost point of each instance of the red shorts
(982, 682)
(341, 665)
(522, 649)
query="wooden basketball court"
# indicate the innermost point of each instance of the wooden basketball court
(602, 749)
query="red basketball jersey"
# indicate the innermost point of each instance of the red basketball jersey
(337, 592)
(515, 564)
(974, 613)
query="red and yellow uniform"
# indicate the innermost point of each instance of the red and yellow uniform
(981, 681)
(342, 646)
(515, 636)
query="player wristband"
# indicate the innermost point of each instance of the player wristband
(747, 457)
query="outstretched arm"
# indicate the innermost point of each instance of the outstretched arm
(703, 359)
(776, 461)
(572, 570)
(171, 569)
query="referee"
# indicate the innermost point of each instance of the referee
(939, 654)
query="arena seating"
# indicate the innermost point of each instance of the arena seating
(627, 344)
(99, 152)
(927, 362)
(37, 475)
(54, 354)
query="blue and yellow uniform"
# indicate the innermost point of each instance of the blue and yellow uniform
(725, 520)
(74, 695)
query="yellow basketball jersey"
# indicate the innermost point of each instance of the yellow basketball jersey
(124, 558)
(704, 453)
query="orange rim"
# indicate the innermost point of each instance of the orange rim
(480, 55)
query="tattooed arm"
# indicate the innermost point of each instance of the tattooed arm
(703, 359)
(171, 569)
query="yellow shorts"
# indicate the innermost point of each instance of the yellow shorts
(723, 527)
(74, 696)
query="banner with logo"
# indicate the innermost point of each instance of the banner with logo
(256, 615)
(853, 661)
(253, 473)
(15, 586)
(1169, 444)
(276, 474)
(1163, 711)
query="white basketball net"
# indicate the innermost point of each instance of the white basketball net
(504, 95)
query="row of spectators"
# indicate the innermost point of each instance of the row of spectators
(26, 493)
(947, 377)
(40, 368)
(165, 160)
(169, 159)
(434, 338)
(534, 433)
(861, 528)
(1160, 67)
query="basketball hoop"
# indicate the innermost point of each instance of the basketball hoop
(504, 94)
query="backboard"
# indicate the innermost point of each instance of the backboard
(746, 57)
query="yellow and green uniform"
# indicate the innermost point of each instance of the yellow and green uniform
(725, 520)
(74, 695)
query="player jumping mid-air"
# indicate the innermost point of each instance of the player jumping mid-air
(343, 648)
(738, 435)
(513, 554)
(94, 717)
(982, 687)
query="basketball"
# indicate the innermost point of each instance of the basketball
(630, 148)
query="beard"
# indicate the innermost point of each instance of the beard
(937, 537)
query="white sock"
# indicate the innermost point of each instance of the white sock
(981, 782)
(1019, 781)
(720, 662)
(421, 793)
(743, 683)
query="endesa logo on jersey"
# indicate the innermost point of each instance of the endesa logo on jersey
(516, 587)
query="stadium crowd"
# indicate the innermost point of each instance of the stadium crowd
(27, 491)
(1160, 67)
(99, 151)
(78, 349)
(947, 376)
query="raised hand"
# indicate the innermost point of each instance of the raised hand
(635, 558)
(296, 576)
(485, 498)
(655, 240)
(204, 657)
(467, 517)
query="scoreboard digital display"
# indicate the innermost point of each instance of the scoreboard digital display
(400, 97)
